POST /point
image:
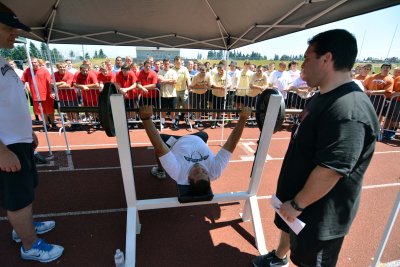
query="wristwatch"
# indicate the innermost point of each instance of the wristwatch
(295, 206)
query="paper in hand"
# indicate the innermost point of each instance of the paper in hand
(296, 226)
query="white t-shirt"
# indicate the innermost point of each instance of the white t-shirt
(168, 90)
(15, 120)
(235, 75)
(187, 151)
(293, 75)
(359, 83)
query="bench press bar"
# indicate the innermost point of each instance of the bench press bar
(251, 209)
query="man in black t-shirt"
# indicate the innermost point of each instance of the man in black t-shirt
(330, 149)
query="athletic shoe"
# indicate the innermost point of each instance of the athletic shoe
(135, 126)
(39, 159)
(213, 125)
(160, 174)
(42, 252)
(175, 126)
(200, 124)
(270, 260)
(40, 228)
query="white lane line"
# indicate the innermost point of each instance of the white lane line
(395, 263)
(108, 211)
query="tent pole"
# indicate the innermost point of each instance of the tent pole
(38, 97)
(57, 99)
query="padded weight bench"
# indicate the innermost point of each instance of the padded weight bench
(186, 196)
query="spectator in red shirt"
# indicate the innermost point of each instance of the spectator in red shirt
(126, 82)
(105, 75)
(146, 83)
(46, 95)
(64, 80)
(85, 79)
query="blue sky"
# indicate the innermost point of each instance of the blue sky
(374, 32)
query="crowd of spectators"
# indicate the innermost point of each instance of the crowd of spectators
(170, 85)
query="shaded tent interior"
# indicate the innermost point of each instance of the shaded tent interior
(197, 24)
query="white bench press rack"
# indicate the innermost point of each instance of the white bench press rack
(251, 210)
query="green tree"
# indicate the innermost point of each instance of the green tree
(43, 51)
(87, 56)
(95, 54)
(33, 51)
(71, 54)
(101, 54)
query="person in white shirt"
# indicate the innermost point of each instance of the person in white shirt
(187, 159)
(18, 174)
(18, 71)
(167, 78)
(294, 73)
(280, 79)
(70, 68)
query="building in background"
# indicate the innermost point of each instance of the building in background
(142, 53)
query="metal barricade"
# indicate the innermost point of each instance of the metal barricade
(391, 114)
(379, 102)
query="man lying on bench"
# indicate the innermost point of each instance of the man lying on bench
(188, 159)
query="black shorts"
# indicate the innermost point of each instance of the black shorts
(218, 102)
(202, 135)
(155, 102)
(169, 102)
(131, 103)
(17, 189)
(306, 250)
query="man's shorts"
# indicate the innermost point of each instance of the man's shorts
(308, 251)
(168, 102)
(47, 105)
(166, 137)
(17, 188)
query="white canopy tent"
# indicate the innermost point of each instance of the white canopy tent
(199, 24)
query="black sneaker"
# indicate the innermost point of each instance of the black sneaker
(39, 159)
(270, 260)
(175, 127)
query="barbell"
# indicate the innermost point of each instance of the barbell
(107, 122)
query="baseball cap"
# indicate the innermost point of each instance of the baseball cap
(233, 63)
(8, 17)
(386, 64)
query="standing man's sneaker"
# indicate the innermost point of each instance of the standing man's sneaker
(213, 125)
(270, 260)
(175, 126)
(42, 252)
(40, 228)
(39, 159)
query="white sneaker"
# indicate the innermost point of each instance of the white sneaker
(42, 252)
(40, 228)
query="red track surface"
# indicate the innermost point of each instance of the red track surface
(88, 204)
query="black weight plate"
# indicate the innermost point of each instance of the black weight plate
(261, 109)
(105, 113)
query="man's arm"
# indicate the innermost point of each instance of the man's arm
(319, 183)
(160, 147)
(234, 137)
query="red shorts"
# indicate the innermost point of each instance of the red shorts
(48, 106)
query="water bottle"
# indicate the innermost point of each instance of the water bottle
(119, 259)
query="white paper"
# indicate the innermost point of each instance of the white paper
(296, 226)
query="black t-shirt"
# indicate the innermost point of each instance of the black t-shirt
(336, 130)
